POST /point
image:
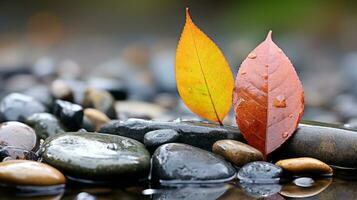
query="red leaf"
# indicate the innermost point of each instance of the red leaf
(268, 97)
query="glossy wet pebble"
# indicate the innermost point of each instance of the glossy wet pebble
(45, 125)
(176, 162)
(61, 90)
(237, 152)
(70, 114)
(97, 156)
(29, 173)
(18, 135)
(198, 134)
(100, 100)
(304, 182)
(96, 117)
(17, 107)
(305, 165)
(154, 139)
(260, 172)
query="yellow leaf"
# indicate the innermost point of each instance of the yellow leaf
(204, 79)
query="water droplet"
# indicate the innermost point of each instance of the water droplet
(304, 182)
(252, 55)
(243, 72)
(279, 101)
(112, 146)
(291, 116)
(280, 51)
(285, 134)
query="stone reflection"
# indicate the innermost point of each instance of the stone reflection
(260, 190)
(294, 191)
(190, 193)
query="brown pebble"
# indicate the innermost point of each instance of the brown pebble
(304, 165)
(236, 152)
(97, 117)
(29, 173)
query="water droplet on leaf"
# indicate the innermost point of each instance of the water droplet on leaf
(285, 134)
(279, 101)
(252, 55)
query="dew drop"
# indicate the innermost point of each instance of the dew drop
(280, 51)
(285, 134)
(252, 55)
(243, 72)
(291, 116)
(279, 101)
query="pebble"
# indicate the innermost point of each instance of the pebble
(237, 152)
(45, 125)
(87, 125)
(198, 134)
(17, 107)
(177, 163)
(100, 100)
(61, 90)
(304, 165)
(29, 173)
(260, 172)
(70, 114)
(96, 117)
(97, 156)
(154, 139)
(17, 134)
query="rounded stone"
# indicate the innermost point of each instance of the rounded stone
(45, 125)
(175, 162)
(96, 117)
(260, 172)
(70, 114)
(97, 156)
(305, 165)
(100, 100)
(61, 90)
(13, 153)
(29, 173)
(18, 135)
(237, 152)
(17, 107)
(154, 139)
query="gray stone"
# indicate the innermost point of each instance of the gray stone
(198, 134)
(178, 163)
(97, 156)
(45, 125)
(260, 172)
(154, 139)
(17, 134)
(17, 107)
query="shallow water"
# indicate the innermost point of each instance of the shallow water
(324, 188)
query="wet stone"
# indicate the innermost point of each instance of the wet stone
(13, 153)
(45, 125)
(154, 139)
(17, 107)
(87, 125)
(177, 163)
(237, 152)
(96, 117)
(114, 86)
(29, 173)
(198, 134)
(260, 172)
(97, 156)
(61, 90)
(17, 134)
(304, 165)
(304, 182)
(100, 100)
(70, 114)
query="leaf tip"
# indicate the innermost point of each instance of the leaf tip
(269, 36)
(188, 17)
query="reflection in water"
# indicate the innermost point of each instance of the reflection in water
(323, 189)
(291, 190)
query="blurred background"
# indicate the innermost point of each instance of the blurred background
(128, 47)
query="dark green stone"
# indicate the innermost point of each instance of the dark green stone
(45, 125)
